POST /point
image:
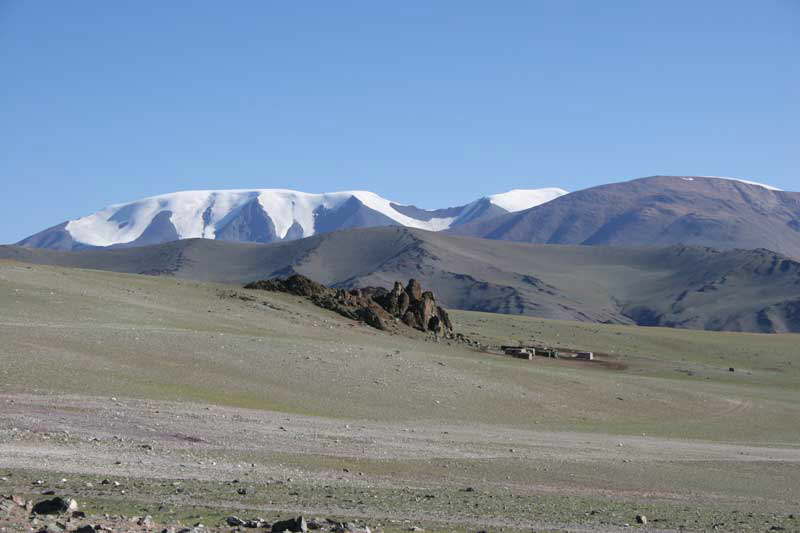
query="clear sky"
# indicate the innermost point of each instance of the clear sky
(430, 102)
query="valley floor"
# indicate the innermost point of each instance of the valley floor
(200, 401)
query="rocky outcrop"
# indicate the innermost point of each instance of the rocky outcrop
(375, 306)
(415, 308)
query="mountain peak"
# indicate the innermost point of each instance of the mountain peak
(658, 210)
(259, 215)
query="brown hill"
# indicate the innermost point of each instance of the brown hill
(678, 286)
(661, 210)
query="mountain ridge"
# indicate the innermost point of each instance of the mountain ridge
(676, 286)
(658, 210)
(725, 213)
(262, 215)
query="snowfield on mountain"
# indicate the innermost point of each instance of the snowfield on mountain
(265, 215)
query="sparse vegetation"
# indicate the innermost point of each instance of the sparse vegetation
(152, 381)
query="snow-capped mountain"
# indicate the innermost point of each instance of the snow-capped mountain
(708, 211)
(264, 215)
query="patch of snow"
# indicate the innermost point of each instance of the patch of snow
(383, 206)
(122, 223)
(521, 199)
(770, 187)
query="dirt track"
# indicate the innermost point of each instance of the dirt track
(147, 440)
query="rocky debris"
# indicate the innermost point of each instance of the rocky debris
(316, 524)
(374, 306)
(57, 505)
(350, 527)
(54, 527)
(295, 525)
(234, 521)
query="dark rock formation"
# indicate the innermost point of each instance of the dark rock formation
(57, 505)
(374, 306)
(296, 525)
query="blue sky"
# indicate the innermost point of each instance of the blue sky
(433, 103)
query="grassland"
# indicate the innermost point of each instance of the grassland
(225, 384)
(679, 380)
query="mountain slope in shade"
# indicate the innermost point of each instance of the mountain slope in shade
(675, 286)
(661, 210)
(263, 215)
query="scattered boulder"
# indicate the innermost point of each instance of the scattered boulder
(641, 519)
(57, 505)
(234, 521)
(295, 525)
